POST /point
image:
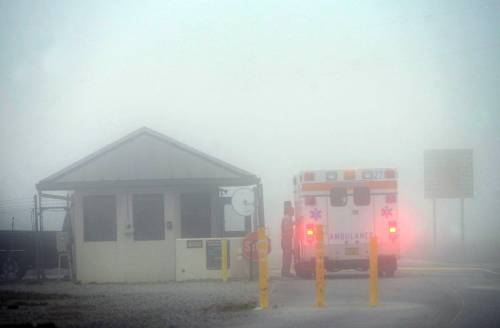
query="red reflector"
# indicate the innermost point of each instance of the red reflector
(310, 233)
(310, 200)
(393, 227)
(390, 174)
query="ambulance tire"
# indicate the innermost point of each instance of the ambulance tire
(387, 266)
(304, 271)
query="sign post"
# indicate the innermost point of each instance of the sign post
(449, 174)
(262, 249)
(320, 267)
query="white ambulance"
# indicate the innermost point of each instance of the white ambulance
(352, 205)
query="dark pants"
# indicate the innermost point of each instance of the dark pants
(287, 262)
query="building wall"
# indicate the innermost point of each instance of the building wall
(127, 260)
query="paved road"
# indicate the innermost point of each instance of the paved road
(418, 296)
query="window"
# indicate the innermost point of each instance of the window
(362, 196)
(232, 220)
(99, 218)
(338, 196)
(196, 215)
(234, 224)
(149, 221)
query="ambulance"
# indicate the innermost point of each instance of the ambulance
(352, 205)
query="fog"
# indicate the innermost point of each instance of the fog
(271, 87)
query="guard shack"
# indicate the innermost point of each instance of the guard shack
(149, 208)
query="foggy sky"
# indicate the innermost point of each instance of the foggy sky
(273, 87)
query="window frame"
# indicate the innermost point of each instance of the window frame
(338, 191)
(85, 218)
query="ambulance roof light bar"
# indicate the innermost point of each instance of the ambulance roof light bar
(390, 174)
(309, 176)
(349, 175)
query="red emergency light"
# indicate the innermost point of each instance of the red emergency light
(393, 230)
(310, 233)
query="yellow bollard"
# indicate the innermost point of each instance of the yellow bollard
(320, 267)
(223, 250)
(373, 271)
(262, 248)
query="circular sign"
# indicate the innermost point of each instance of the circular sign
(243, 201)
(249, 246)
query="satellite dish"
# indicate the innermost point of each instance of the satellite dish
(243, 201)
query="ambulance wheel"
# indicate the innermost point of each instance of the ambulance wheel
(303, 271)
(387, 265)
(389, 273)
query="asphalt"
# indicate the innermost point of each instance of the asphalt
(420, 295)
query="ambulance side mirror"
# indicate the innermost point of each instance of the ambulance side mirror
(338, 196)
(362, 196)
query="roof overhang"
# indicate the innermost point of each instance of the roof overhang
(146, 158)
(78, 185)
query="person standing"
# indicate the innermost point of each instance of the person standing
(286, 239)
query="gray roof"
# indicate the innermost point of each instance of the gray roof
(146, 158)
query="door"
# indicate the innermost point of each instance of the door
(195, 215)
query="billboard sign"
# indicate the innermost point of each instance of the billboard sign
(448, 173)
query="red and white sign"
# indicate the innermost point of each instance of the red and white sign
(249, 246)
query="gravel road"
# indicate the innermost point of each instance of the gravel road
(187, 304)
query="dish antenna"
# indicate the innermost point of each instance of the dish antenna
(243, 201)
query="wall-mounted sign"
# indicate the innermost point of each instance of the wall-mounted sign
(214, 254)
(197, 243)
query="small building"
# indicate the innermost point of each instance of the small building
(139, 205)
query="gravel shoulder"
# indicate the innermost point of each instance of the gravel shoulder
(173, 304)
